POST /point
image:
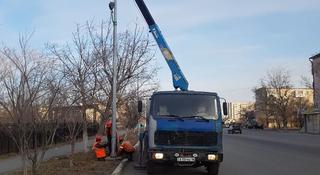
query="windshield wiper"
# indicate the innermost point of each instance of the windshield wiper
(173, 116)
(197, 117)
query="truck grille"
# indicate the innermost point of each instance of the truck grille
(183, 138)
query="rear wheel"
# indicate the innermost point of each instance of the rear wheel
(213, 169)
(152, 168)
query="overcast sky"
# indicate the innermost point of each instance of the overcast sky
(225, 46)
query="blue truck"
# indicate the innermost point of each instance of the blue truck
(184, 128)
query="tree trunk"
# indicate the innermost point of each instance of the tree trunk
(85, 137)
(34, 168)
(267, 122)
(23, 157)
(285, 124)
(73, 142)
(85, 131)
(24, 164)
(278, 123)
(301, 122)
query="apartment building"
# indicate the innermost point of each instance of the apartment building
(235, 110)
(315, 63)
(312, 118)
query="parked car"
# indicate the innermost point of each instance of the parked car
(226, 125)
(255, 126)
(234, 129)
(258, 126)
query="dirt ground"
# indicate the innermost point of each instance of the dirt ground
(84, 164)
(8, 155)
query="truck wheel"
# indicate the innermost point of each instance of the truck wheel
(213, 169)
(151, 168)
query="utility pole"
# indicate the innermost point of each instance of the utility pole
(113, 8)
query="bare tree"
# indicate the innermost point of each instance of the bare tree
(87, 66)
(247, 114)
(134, 66)
(306, 82)
(264, 104)
(29, 91)
(68, 116)
(279, 95)
(77, 67)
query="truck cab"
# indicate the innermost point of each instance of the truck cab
(184, 128)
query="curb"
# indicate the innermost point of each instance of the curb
(119, 168)
(136, 145)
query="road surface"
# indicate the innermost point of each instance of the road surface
(260, 153)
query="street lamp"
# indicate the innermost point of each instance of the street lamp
(113, 9)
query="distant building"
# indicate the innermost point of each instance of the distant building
(235, 110)
(297, 94)
(74, 113)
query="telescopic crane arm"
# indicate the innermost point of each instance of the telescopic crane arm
(179, 80)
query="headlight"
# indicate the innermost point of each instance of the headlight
(176, 155)
(195, 155)
(158, 155)
(212, 157)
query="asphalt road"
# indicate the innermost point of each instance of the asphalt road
(259, 153)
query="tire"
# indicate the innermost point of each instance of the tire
(213, 169)
(151, 168)
(130, 157)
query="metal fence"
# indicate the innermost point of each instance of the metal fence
(7, 145)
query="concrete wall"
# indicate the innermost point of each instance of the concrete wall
(313, 124)
(316, 80)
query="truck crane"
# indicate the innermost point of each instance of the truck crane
(183, 128)
(179, 80)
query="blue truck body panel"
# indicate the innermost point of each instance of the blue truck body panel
(165, 124)
(177, 138)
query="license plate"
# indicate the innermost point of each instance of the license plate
(186, 159)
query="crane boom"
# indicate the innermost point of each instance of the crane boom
(179, 80)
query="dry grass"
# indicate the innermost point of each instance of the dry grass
(84, 164)
(7, 156)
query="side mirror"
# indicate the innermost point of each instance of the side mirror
(139, 106)
(225, 108)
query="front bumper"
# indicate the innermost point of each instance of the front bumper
(193, 158)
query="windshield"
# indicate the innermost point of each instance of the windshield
(185, 106)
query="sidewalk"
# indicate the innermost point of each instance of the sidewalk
(14, 163)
